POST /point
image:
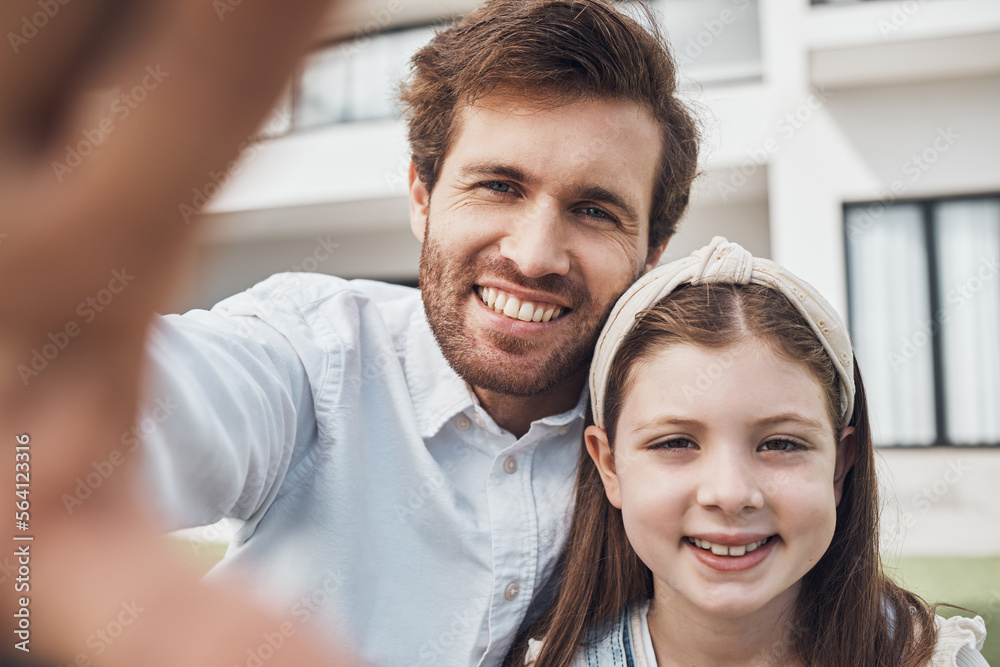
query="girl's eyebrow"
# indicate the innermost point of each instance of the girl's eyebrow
(793, 417)
(774, 420)
(669, 420)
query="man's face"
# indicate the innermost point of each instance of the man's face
(538, 222)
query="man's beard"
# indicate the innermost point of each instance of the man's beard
(499, 362)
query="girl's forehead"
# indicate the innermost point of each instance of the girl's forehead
(748, 380)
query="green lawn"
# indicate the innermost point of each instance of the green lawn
(973, 583)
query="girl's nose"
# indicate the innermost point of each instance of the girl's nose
(729, 482)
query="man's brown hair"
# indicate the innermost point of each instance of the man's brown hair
(558, 51)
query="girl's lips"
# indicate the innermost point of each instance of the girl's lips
(733, 563)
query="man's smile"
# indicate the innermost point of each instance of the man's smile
(509, 305)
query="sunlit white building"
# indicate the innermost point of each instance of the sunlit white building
(857, 143)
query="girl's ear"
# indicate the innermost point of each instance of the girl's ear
(600, 451)
(846, 451)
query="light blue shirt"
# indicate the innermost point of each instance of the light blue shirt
(382, 504)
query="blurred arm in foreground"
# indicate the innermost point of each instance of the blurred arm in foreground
(199, 79)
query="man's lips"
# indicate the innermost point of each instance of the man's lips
(732, 553)
(519, 307)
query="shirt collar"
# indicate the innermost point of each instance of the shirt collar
(439, 394)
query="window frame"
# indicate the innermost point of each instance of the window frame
(928, 220)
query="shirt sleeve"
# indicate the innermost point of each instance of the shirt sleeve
(959, 643)
(228, 411)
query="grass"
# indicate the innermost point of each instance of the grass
(973, 583)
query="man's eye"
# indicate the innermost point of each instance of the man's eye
(594, 212)
(498, 186)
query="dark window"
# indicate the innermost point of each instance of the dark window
(924, 293)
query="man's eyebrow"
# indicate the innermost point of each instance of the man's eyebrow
(492, 169)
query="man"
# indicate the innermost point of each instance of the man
(404, 465)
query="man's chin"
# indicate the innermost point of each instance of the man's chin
(515, 375)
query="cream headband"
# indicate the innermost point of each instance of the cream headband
(726, 263)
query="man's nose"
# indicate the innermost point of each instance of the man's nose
(537, 243)
(729, 482)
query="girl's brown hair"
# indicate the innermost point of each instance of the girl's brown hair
(848, 612)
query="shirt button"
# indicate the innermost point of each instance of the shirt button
(511, 591)
(563, 430)
(462, 423)
(510, 467)
(480, 422)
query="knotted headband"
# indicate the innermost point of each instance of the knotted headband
(724, 263)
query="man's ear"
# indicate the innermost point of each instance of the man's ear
(420, 201)
(847, 450)
(653, 258)
(600, 452)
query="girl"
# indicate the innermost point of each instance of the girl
(729, 516)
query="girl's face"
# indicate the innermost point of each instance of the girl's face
(728, 473)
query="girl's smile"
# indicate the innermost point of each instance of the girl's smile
(728, 493)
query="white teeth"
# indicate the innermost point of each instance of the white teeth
(515, 308)
(722, 550)
(526, 312)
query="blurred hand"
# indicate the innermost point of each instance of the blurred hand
(111, 113)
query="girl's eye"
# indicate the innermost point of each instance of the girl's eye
(675, 443)
(780, 446)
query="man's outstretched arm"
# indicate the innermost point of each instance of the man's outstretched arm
(70, 227)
